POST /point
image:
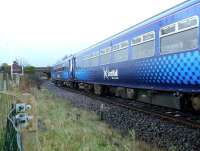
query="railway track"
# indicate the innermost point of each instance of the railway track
(179, 117)
(164, 113)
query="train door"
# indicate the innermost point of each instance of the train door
(72, 68)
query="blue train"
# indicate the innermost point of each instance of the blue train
(156, 61)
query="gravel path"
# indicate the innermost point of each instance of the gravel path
(147, 128)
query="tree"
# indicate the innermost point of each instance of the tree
(29, 70)
(5, 68)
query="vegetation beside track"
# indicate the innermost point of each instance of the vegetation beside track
(63, 127)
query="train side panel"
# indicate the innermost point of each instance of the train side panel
(177, 71)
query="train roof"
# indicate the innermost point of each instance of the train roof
(62, 61)
(165, 13)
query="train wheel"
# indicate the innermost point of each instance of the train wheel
(186, 104)
(98, 90)
(196, 103)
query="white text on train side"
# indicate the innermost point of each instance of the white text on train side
(110, 73)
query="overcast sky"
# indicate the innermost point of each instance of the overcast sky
(43, 31)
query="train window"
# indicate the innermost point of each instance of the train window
(59, 68)
(85, 61)
(115, 47)
(148, 36)
(105, 50)
(120, 55)
(136, 40)
(105, 59)
(90, 60)
(120, 52)
(144, 50)
(124, 44)
(93, 61)
(188, 23)
(185, 37)
(145, 47)
(168, 29)
(105, 55)
(102, 52)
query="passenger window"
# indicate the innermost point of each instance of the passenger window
(185, 37)
(120, 52)
(90, 60)
(120, 55)
(188, 23)
(105, 59)
(143, 46)
(115, 47)
(105, 55)
(124, 44)
(168, 30)
(148, 36)
(136, 40)
(93, 61)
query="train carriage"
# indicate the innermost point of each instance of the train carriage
(157, 58)
(63, 72)
(60, 71)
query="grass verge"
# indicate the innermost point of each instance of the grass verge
(63, 127)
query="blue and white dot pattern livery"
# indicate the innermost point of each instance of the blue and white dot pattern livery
(161, 53)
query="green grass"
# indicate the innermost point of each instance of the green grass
(63, 127)
(5, 107)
